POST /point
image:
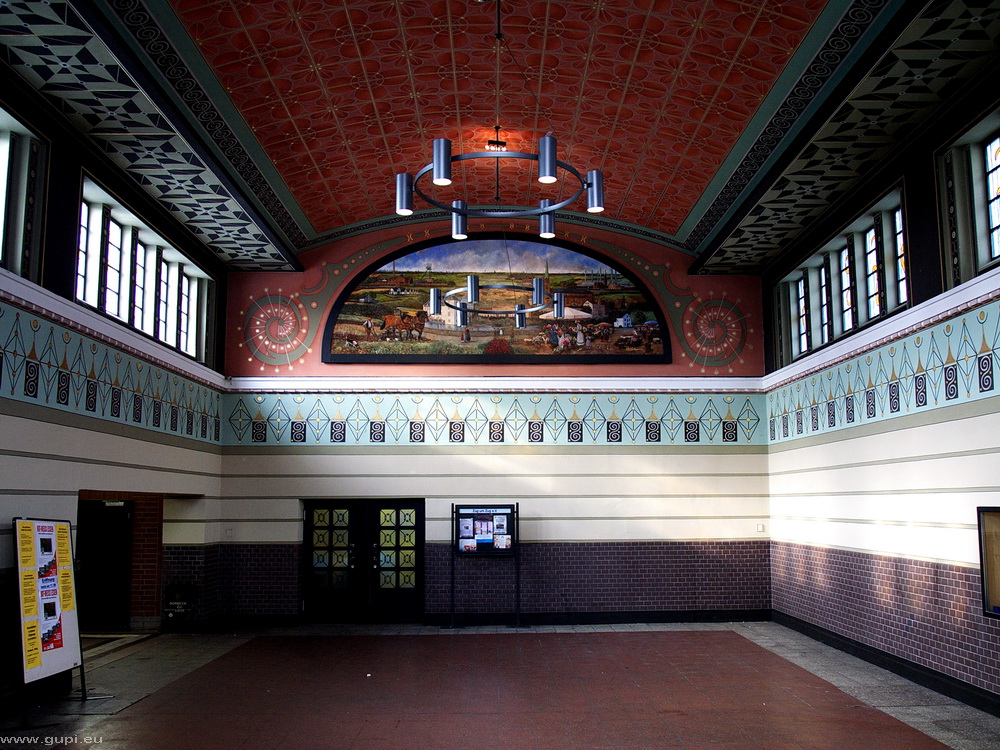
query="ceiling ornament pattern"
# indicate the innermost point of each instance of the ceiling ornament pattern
(389, 76)
(142, 25)
(837, 48)
(64, 60)
(351, 94)
(944, 47)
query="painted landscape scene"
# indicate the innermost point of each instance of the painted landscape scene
(388, 314)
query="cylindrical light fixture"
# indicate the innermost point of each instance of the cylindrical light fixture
(595, 191)
(441, 170)
(537, 291)
(558, 305)
(435, 302)
(520, 318)
(463, 315)
(547, 159)
(404, 194)
(472, 289)
(546, 221)
(459, 222)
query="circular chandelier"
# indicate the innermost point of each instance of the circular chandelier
(540, 300)
(549, 167)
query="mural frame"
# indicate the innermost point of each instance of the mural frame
(614, 358)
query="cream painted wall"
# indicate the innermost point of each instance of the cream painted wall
(579, 496)
(908, 487)
(44, 465)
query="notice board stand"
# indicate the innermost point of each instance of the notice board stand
(47, 602)
(486, 531)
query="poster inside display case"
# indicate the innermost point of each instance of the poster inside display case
(50, 634)
(485, 530)
(989, 555)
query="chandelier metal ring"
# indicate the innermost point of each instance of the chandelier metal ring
(495, 213)
(511, 287)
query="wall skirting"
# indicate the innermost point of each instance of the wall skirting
(962, 691)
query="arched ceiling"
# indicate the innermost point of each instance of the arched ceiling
(271, 127)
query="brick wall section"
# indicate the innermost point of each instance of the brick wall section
(147, 544)
(259, 579)
(925, 612)
(196, 566)
(568, 577)
(556, 578)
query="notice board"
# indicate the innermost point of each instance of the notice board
(989, 558)
(485, 530)
(50, 633)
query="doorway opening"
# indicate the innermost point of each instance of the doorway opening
(118, 553)
(364, 560)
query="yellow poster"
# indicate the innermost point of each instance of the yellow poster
(26, 543)
(63, 554)
(66, 589)
(29, 593)
(32, 645)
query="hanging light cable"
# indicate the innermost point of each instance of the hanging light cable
(549, 168)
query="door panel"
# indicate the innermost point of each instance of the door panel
(364, 560)
(104, 564)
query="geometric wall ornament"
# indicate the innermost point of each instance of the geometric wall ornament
(917, 372)
(949, 362)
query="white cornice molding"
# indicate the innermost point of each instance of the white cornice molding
(508, 384)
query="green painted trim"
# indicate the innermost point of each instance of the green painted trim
(110, 464)
(880, 522)
(877, 553)
(75, 420)
(619, 449)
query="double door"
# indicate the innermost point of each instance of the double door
(364, 560)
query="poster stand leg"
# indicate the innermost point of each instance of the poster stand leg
(451, 622)
(517, 587)
(517, 567)
(84, 693)
(83, 677)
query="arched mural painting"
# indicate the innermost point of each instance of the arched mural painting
(288, 323)
(389, 314)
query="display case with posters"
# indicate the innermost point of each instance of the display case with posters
(989, 554)
(485, 530)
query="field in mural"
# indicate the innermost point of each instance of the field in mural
(389, 313)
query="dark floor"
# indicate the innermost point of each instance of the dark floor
(518, 690)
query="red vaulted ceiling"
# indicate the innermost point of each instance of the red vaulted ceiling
(343, 95)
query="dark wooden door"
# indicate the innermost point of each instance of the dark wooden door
(364, 560)
(104, 565)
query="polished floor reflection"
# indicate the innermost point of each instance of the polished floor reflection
(751, 685)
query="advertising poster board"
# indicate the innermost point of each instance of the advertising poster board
(989, 557)
(50, 634)
(485, 530)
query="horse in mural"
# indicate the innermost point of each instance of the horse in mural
(405, 324)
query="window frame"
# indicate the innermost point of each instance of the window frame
(23, 156)
(108, 278)
(842, 300)
(964, 202)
